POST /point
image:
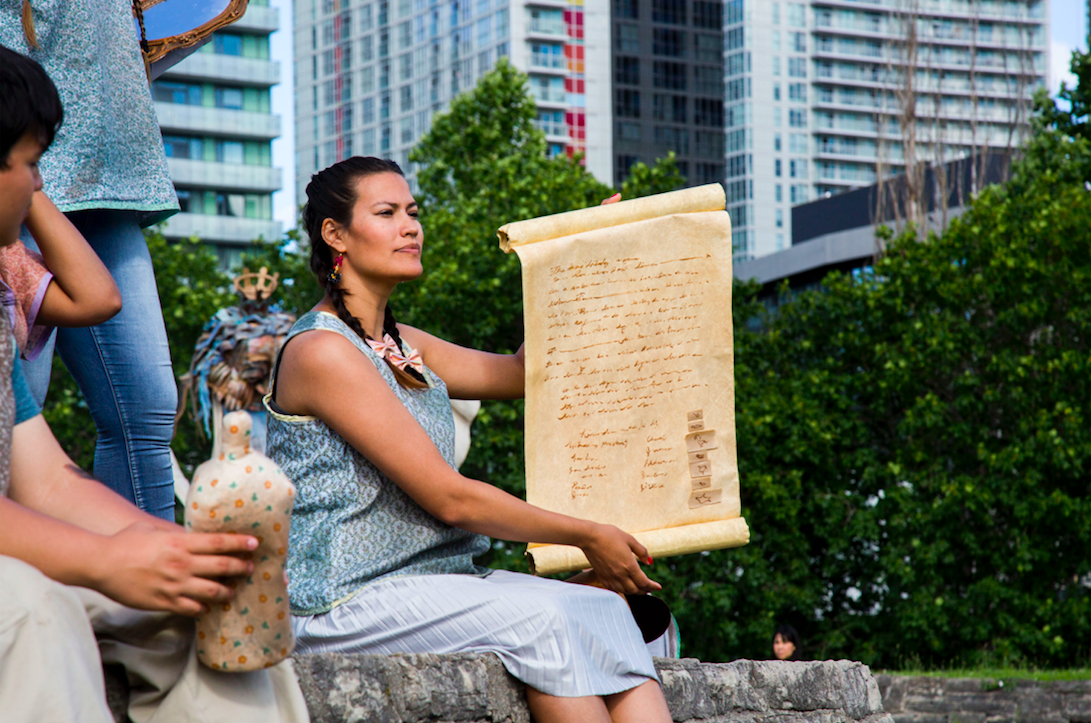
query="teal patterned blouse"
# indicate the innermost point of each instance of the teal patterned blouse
(351, 523)
(109, 151)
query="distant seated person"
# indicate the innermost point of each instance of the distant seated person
(786, 643)
(80, 566)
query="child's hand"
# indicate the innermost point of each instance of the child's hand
(152, 569)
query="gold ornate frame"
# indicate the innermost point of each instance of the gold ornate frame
(156, 49)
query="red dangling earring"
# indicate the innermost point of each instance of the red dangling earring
(335, 273)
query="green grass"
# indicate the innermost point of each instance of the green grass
(1000, 674)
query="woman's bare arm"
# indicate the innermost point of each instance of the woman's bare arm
(356, 403)
(469, 373)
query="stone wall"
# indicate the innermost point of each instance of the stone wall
(448, 688)
(477, 689)
(924, 699)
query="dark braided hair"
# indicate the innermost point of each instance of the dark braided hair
(332, 194)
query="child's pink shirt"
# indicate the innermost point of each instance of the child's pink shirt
(23, 282)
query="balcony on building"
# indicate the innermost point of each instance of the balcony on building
(222, 229)
(231, 69)
(557, 4)
(217, 122)
(224, 176)
(546, 24)
(548, 92)
(257, 20)
(548, 58)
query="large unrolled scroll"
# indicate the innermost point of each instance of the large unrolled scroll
(630, 411)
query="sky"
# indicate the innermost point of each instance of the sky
(1067, 28)
(1068, 31)
(285, 209)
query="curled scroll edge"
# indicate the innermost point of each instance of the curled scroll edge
(666, 542)
(690, 200)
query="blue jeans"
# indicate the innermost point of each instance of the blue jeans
(123, 368)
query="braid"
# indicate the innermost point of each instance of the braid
(390, 326)
(337, 296)
(332, 194)
(409, 378)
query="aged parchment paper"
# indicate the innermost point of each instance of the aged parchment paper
(630, 415)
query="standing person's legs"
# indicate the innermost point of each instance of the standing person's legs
(123, 368)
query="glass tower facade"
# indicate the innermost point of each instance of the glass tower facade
(817, 93)
(214, 113)
(668, 74)
(370, 74)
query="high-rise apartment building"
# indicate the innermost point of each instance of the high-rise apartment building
(815, 92)
(668, 74)
(370, 74)
(214, 112)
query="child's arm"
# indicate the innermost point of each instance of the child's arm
(82, 292)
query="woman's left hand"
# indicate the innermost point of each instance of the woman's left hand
(613, 555)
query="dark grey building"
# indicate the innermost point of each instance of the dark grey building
(668, 84)
(837, 233)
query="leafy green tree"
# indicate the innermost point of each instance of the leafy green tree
(1072, 116)
(1061, 144)
(645, 181)
(914, 446)
(912, 440)
(192, 288)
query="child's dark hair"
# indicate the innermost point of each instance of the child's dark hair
(29, 102)
(332, 194)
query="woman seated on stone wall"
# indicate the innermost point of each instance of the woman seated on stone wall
(385, 529)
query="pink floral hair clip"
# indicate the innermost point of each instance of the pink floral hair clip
(388, 349)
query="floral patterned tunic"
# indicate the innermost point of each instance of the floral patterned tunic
(352, 524)
(108, 153)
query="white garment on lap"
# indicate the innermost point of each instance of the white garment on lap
(562, 639)
(51, 662)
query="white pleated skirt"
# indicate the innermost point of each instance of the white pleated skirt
(561, 639)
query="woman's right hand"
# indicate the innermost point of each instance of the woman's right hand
(613, 555)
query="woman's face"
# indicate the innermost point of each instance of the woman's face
(384, 240)
(782, 648)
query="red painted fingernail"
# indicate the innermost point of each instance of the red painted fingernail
(649, 559)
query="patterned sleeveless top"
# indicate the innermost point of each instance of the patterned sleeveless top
(352, 524)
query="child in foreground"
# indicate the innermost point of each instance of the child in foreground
(80, 566)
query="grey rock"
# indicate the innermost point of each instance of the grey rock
(925, 699)
(410, 688)
(403, 688)
(468, 688)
